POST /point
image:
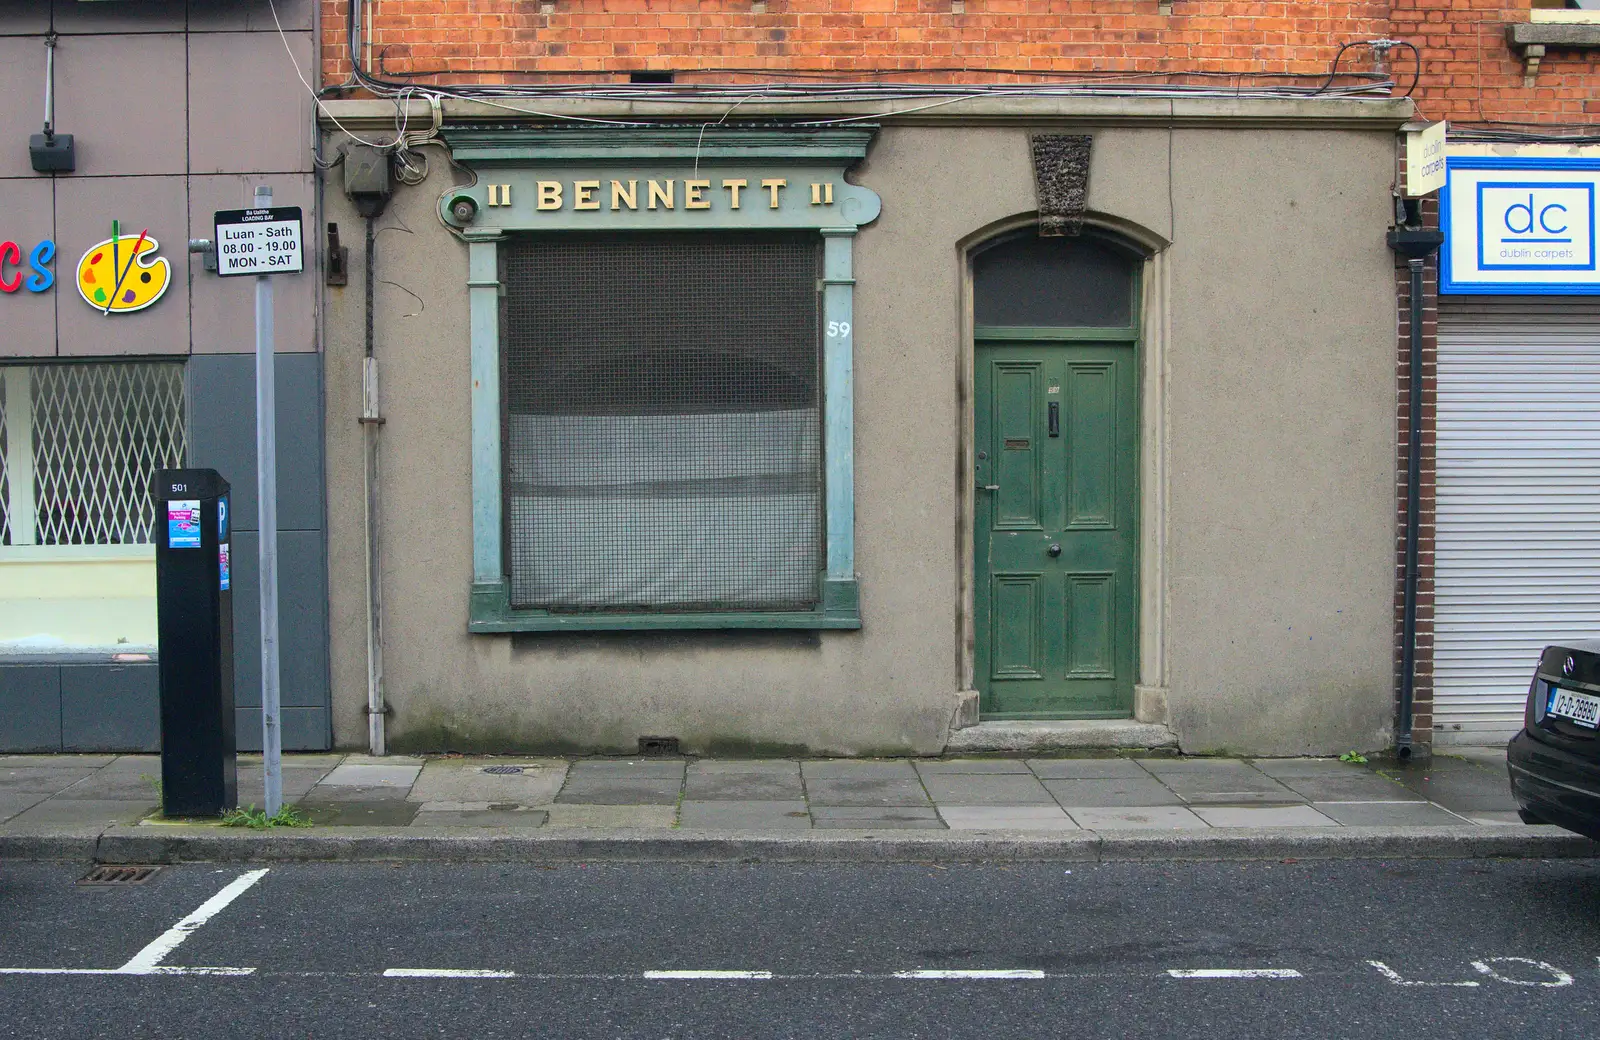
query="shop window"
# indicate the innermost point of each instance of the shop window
(663, 442)
(79, 443)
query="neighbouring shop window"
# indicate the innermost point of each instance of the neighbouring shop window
(663, 430)
(78, 446)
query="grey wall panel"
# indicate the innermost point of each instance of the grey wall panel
(222, 431)
(110, 707)
(302, 619)
(21, 76)
(224, 309)
(252, 15)
(93, 72)
(76, 16)
(304, 729)
(275, 106)
(30, 707)
(29, 318)
(25, 16)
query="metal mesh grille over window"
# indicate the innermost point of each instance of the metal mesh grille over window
(663, 429)
(96, 434)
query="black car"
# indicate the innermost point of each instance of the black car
(1555, 760)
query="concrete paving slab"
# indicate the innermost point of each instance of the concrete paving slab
(366, 774)
(1354, 787)
(1457, 785)
(372, 812)
(333, 793)
(745, 816)
(1155, 817)
(1388, 814)
(865, 790)
(612, 817)
(987, 789)
(381, 760)
(959, 766)
(659, 768)
(1488, 757)
(87, 763)
(761, 766)
(77, 812)
(112, 784)
(1262, 816)
(22, 781)
(297, 782)
(1283, 768)
(1006, 818)
(1117, 793)
(465, 780)
(1199, 767)
(620, 790)
(1495, 819)
(743, 787)
(324, 760)
(857, 817)
(1228, 787)
(1087, 769)
(12, 804)
(851, 768)
(495, 819)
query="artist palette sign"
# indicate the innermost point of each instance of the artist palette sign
(116, 275)
(1519, 226)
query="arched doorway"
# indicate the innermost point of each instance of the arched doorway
(1055, 397)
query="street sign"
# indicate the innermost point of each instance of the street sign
(258, 241)
(1425, 158)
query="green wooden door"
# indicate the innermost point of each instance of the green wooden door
(1056, 574)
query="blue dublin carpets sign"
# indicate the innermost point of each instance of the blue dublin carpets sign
(1519, 226)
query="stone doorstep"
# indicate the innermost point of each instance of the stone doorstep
(1064, 735)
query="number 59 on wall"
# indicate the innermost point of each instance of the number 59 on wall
(838, 328)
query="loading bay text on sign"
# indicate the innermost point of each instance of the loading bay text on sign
(259, 241)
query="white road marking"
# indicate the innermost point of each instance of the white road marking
(1234, 973)
(693, 974)
(1395, 977)
(447, 973)
(1558, 978)
(971, 973)
(158, 970)
(148, 959)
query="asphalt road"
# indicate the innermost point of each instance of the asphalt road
(1462, 949)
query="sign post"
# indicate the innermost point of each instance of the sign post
(263, 241)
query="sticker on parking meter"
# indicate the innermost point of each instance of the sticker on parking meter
(183, 524)
(222, 564)
(222, 519)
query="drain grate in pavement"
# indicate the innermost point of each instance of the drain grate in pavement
(127, 874)
(502, 770)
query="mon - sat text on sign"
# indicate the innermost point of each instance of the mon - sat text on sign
(1520, 226)
(259, 241)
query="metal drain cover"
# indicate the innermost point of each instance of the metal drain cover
(126, 874)
(502, 770)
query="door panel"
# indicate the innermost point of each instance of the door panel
(1056, 579)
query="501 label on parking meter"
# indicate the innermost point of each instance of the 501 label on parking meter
(259, 241)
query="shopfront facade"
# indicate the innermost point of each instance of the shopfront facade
(1518, 456)
(811, 436)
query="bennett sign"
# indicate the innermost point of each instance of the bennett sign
(258, 241)
(1519, 226)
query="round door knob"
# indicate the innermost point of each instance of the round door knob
(1055, 549)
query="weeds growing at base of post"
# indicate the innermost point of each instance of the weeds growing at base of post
(257, 819)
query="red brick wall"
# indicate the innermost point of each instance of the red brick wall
(1469, 73)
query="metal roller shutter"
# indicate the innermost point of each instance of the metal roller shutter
(1518, 540)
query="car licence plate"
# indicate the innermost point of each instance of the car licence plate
(1579, 707)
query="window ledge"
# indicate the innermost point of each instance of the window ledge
(1530, 40)
(492, 614)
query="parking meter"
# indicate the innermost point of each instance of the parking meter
(194, 603)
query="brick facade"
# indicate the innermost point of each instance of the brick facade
(1469, 73)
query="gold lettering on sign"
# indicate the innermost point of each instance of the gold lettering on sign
(664, 195)
(693, 197)
(583, 194)
(499, 194)
(549, 194)
(822, 194)
(621, 196)
(734, 187)
(773, 186)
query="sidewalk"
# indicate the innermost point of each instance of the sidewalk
(473, 805)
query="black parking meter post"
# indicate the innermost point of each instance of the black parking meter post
(194, 604)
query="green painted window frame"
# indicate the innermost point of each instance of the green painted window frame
(520, 156)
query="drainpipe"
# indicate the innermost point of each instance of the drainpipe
(371, 421)
(1416, 244)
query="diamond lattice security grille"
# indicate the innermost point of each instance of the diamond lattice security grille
(5, 475)
(100, 430)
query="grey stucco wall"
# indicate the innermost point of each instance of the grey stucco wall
(1279, 453)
